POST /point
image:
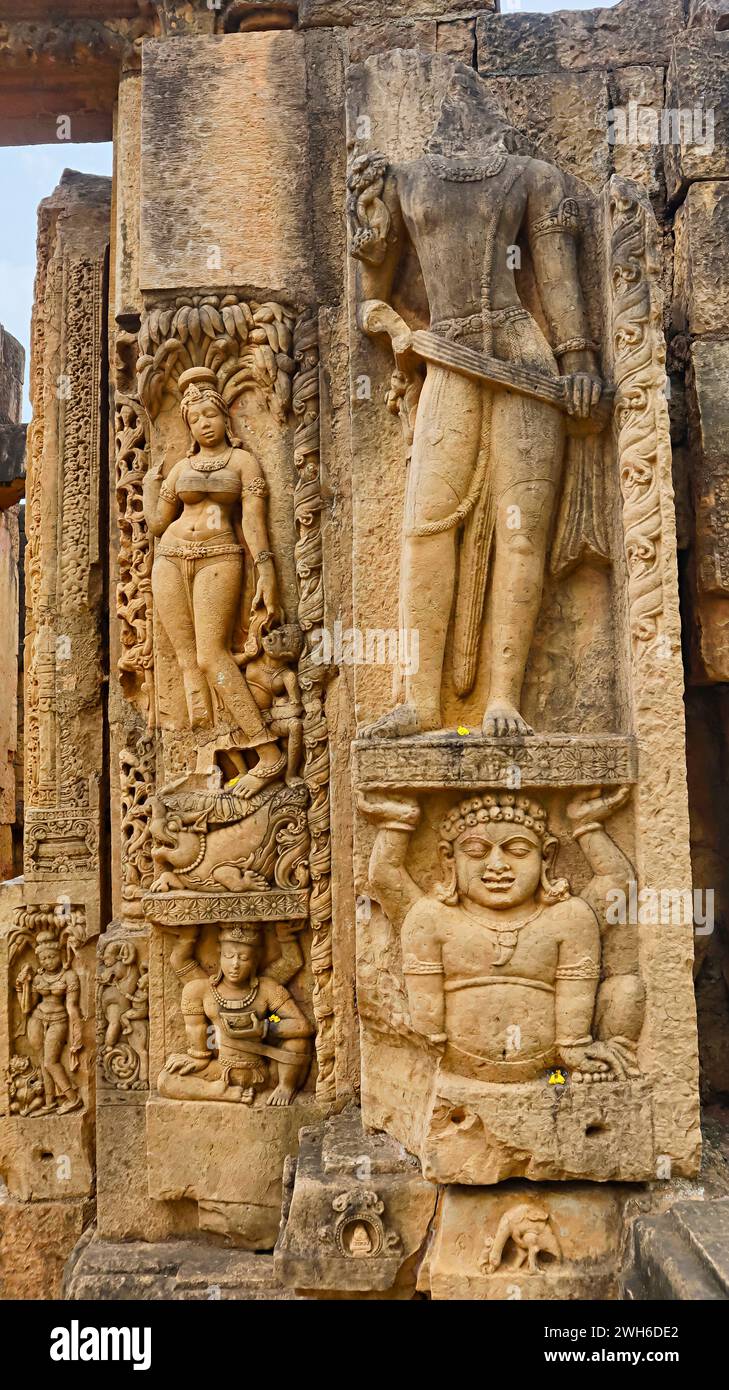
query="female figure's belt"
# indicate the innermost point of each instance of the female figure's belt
(198, 550)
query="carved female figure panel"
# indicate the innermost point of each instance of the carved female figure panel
(208, 510)
(48, 998)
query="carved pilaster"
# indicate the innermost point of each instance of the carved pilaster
(307, 507)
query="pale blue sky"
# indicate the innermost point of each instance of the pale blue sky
(27, 175)
(30, 173)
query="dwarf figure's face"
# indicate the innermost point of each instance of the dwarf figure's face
(284, 643)
(498, 864)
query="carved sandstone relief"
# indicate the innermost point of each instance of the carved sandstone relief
(224, 766)
(510, 376)
(507, 978)
(260, 1037)
(641, 418)
(524, 1234)
(355, 1215)
(518, 1242)
(482, 929)
(503, 358)
(47, 1011)
(63, 720)
(225, 800)
(122, 1015)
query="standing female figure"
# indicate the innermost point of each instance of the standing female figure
(209, 508)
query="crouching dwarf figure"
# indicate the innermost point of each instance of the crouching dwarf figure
(255, 1022)
(505, 971)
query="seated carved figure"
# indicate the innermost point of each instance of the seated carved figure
(256, 1023)
(502, 964)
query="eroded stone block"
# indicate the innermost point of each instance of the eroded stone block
(701, 297)
(223, 199)
(636, 31)
(566, 115)
(194, 1150)
(356, 1214)
(36, 1240)
(315, 12)
(697, 91)
(526, 1242)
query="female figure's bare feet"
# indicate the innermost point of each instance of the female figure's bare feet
(503, 720)
(270, 765)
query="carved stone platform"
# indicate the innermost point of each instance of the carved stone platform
(186, 1270)
(682, 1254)
(470, 761)
(474, 1133)
(195, 909)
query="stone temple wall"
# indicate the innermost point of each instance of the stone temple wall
(12, 451)
(374, 596)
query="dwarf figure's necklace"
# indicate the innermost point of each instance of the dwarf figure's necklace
(507, 937)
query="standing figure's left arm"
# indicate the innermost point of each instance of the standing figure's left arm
(73, 993)
(553, 228)
(254, 527)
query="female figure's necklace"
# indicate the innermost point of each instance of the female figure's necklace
(211, 465)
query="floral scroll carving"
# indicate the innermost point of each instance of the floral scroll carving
(641, 415)
(308, 556)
